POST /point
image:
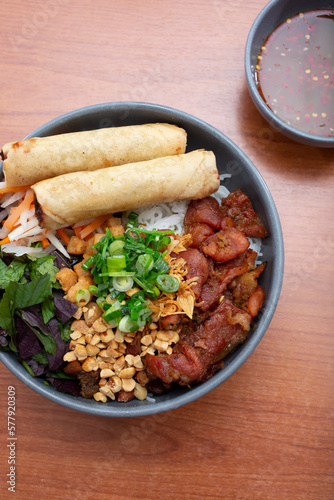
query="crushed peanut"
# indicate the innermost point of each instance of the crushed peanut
(106, 390)
(147, 340)
(127, 372)
(128, 384)
(75, 335)
(140, 392)
(92, 350)
(98, 396)
(115, 384)
(70, 356)
(100, 325)
(90, 364)
(96, 339)
(81, 340)
(107, 336)
(80, 352)
(106, 372)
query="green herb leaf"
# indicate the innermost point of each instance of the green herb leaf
(48, 342)
(6, 315)
(12, 273)
(65, 330)
(41, 358)
(31, 293)
(44, 265)
(48, 309)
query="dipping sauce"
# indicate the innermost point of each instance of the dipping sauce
(295, 72)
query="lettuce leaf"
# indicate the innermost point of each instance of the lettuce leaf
(22, 295)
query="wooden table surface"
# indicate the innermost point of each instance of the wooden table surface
(267, 432)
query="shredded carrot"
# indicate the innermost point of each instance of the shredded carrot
(4, 241)
(14, 216)
(45, 242)
(14, 189)
(62, 234)
(77, 230)
(93, 225)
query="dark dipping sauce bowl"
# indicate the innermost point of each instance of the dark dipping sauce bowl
(273, 14)
(244, 175)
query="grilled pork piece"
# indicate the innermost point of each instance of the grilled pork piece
(203, 347)
(238, 206)
(221, 275)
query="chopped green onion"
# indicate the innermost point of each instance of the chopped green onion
(163, 243)
(118, 273)
(122, 283)
(116, 263)
(88, 263)
(114, 294)
(127, 325)
(167, 283)
(100, 243)
(161, 265)
(93, 290)
(135, 256)
(103, 287)
(132, 221)
(116, 247)
(140, 295)
(144, 315)
(152, 291)
(154, 232)
(144, 263)
(82, 297)
(115, 322)
(100, 301)
(109, 234)
(113, 311)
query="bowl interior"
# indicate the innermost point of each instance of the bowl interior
(276, 12)
(244, 175)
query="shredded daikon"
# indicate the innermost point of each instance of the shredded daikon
(3, 215)
(3, 232)
(12, 199)
(56, 242)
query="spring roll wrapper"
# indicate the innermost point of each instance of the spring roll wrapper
(31, 160)
(70, 198)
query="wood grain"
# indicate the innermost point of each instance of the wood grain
(268, 431)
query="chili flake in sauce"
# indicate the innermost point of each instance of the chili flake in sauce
(295, 72)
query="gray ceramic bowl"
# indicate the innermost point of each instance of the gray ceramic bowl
(274, 13)
(244, 176)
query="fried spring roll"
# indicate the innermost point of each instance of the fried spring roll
(69, 198)
(31, 160)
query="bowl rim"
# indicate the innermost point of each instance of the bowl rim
(276, 122)
(9, 359)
